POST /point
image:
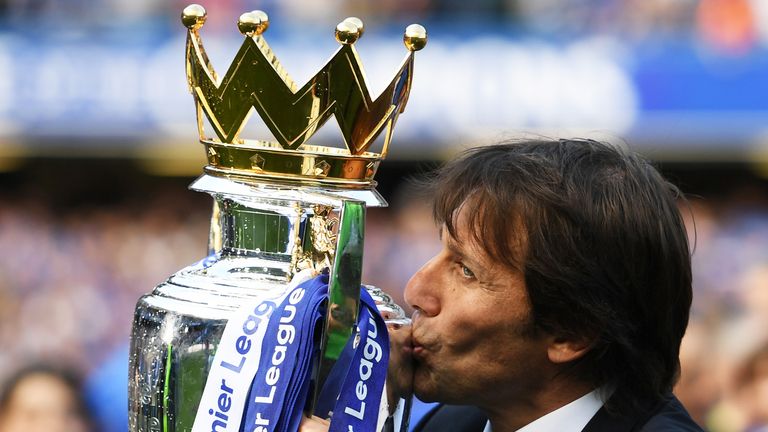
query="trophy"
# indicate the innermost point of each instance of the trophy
(288, 220)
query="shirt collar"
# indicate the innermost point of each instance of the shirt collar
(568, 418)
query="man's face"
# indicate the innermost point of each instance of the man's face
(472, 335)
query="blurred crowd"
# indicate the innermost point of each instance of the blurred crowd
(70, 276)
(732, 25)
(724, 381)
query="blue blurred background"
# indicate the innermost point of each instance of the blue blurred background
(98, 143)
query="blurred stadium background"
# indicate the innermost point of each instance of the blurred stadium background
(97, 145)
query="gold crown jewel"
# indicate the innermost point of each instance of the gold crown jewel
(257, 82)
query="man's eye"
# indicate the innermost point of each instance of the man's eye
(466, 272)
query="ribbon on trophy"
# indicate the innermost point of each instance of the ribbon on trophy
(362, 391)
(259, 377)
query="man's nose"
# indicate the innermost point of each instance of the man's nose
(421, 291)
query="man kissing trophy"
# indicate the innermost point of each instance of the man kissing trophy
(273, 325)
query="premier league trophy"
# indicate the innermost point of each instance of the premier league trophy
(273, 325)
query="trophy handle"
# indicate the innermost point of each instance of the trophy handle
(343, 292)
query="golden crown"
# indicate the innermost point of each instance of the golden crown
(257, 81)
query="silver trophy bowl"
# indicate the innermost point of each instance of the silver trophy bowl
(260, 236)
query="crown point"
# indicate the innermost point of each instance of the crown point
(347, 32)
(248, 23)
(253, 22)
(193, 16)
(415, 37)
(357, 22)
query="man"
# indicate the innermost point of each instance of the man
(560, 296)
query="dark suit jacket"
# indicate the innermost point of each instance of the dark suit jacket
(667, 415)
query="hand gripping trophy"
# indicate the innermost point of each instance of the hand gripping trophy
(273, 325)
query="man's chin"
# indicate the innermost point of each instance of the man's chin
(430, 396)
(423, 387)
(426, 396)
(427, 388)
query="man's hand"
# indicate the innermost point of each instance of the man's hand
(314, 424)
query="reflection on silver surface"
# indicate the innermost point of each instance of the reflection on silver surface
(259, 242)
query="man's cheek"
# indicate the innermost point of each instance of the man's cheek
(462, 342)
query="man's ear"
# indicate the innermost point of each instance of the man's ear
(562, 350)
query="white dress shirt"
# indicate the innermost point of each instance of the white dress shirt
(568, 418)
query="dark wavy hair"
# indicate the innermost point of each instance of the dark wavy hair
(605, 253)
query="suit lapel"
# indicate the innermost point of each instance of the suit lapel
(605, 422)
(456, 418)
(452, 418)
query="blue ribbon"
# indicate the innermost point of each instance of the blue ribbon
(357, 408)
(280, 388)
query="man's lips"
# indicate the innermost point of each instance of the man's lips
(420, 340)
(419, 349)
(407, 346)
